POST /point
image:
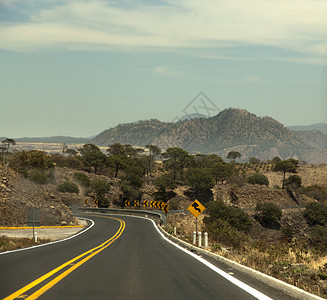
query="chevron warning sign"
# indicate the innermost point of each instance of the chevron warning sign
(165, 208)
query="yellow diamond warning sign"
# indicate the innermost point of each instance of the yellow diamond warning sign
(196, 208)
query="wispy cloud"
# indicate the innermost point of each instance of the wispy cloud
(295, 25)
(167, 71)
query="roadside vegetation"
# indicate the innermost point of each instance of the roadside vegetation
(247, 203)
(7, 244)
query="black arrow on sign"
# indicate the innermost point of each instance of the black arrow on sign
(196, 207)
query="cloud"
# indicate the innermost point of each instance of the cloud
(295, 25)
(167, 71)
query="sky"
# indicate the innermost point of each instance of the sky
(78, 67)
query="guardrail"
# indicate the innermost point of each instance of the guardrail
(157, 216)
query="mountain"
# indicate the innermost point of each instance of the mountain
(192, 116)
(53, 139)
(322, 127)
(313, 138)
(232, 129)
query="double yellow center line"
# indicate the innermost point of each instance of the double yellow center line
(65, 269)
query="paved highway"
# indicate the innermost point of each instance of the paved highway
(119, 258)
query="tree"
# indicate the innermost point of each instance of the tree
(233, 155)
(155, 151)
(71, 152)
(176, 160)
(201, 181)
(92, 156)
(284, 166)
(275, 160)
(149, 160)
(221, 170)
(163, 183)
(7, 142)
(101, 187)
(117, 162)
(116, 149)
(133, 176)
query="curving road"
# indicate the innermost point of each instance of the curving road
(119, 258)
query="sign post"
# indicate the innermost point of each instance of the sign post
(196, 209)
(33, 218)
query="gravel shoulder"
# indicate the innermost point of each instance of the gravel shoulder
(52, 233)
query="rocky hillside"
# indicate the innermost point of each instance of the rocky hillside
(231, 129)
(18, 194)
(313, 138)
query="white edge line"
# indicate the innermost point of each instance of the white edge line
(230, 278)
(54, 242)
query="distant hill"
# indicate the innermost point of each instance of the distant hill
(53, 139)
(322, 127)
(231, 129)
(313, 138)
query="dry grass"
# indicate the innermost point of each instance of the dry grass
(310, 174)
(7, 244)
(293, 262)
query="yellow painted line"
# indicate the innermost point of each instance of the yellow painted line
(42, 227)
(53, 282)
(42, 290)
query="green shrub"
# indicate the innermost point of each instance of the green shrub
(287, 232)
(100, 187)
(316, 214)
(315, 191)
(222, 232)
(38, 176)
(294, 181)
(134, 180)
(268, 214)
(34, 159)
(67, 162)
(236, 217)
(258, 179)
(68, 187)
(129, 192)
(82, 178)
(318, 237)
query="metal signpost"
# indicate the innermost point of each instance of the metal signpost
(196, 209)
(33, 218)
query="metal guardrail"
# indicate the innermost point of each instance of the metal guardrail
(157, 216)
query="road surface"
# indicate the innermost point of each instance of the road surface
(119, 258)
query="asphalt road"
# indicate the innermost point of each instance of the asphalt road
(129, 259)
